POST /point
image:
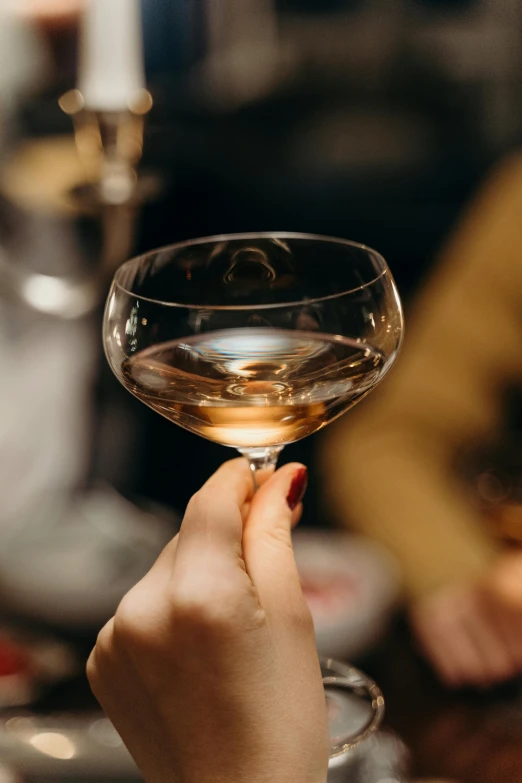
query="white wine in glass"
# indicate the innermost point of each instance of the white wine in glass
(253, 388)
(253, 341)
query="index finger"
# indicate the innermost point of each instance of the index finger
(213, 523)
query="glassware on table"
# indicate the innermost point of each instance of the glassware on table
(355, 706)
(255, 341)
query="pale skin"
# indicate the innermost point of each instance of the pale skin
(209, 668)
(472, 632)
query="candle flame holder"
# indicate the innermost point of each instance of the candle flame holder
(110, 146)
(110, 143)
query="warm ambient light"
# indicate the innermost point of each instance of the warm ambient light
(53, 744)
(45, 292)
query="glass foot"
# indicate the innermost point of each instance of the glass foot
(355, 705)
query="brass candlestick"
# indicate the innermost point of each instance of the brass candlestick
(110, 145)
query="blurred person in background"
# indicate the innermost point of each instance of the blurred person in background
(396, 468)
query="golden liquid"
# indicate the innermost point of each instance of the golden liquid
(253, 387)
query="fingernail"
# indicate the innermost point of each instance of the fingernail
(297, 488)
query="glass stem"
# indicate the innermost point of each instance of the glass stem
(261, 459)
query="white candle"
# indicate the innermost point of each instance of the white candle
(111, 70)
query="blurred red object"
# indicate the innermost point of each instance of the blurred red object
(13, 658)
(29, 663)
(352, 588)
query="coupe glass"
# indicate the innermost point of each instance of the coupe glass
(255, 341)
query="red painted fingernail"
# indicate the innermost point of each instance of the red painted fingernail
(297, 488)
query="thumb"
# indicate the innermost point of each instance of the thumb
(267, 537)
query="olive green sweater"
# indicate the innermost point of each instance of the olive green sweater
(389, 464)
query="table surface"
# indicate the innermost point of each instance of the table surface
(462, 736)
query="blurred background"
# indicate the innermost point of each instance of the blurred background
(373, 120)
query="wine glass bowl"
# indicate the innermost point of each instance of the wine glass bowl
(253, 341)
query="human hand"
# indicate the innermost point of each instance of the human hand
(472, 633)
(209, 668)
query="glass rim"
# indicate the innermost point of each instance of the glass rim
(253, 235)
